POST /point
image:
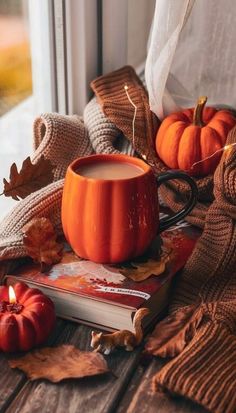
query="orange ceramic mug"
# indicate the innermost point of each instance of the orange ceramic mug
(113, 220)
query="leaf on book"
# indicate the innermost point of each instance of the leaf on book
(58, 363)
(30, 178)
(171, 335)
(39, 239)
(142, 270)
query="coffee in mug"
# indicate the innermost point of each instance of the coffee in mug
(109, 170)
(110, 208)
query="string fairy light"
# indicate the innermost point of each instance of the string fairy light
(135, 113)
(224, 148)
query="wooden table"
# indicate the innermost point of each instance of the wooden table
(127, 390)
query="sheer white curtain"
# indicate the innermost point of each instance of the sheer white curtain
(191, 53)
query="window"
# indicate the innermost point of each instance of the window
(15, 62)
(62, 46)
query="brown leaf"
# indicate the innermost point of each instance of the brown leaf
(40, 242)
(143, 270)
(171, 335)
(30, 178)
(58, 363)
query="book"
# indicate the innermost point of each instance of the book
(107, 296)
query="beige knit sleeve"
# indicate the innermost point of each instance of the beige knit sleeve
(43, 203)
(102, 132)
(60, 139)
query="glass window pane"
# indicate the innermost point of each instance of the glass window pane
(16, 99)
(15, 59)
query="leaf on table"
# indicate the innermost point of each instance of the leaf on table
(171, 335)
(58, 363)
(142, 270)
(39, 239)
(30, 178)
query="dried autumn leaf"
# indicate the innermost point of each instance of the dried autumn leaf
(39, 239)
(171, 335)
(141, 271)
(58, 363)
(30, 178)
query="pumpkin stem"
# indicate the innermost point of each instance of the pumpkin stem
(198, 111)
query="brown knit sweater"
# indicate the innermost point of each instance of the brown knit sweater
(204, 342)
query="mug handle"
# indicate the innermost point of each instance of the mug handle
(166, 176)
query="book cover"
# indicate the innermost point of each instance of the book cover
(116, 283)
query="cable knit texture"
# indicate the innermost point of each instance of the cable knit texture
(205, 370)
(111, 95)
(60, 139)
(43, 203)
(114, 102)
(102, 132)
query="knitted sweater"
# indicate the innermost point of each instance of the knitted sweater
(201, 327)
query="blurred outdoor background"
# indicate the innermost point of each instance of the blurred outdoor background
(15, 61)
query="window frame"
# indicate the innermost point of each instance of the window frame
(42, 41)
(81, 51)
(81, 40)
(72, 42)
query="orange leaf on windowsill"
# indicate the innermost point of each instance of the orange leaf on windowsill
(39, 239)
(29, 179)
(59, 363)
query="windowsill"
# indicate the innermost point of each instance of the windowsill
(16, 143)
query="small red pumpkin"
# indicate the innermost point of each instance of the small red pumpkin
(31, 326)
(187, 137)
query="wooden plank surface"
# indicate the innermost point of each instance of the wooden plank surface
(127, 390)
(11, 381)
(140, 398)
(94, 394)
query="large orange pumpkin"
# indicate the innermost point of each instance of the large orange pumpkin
(31, 325)
(187, 137)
